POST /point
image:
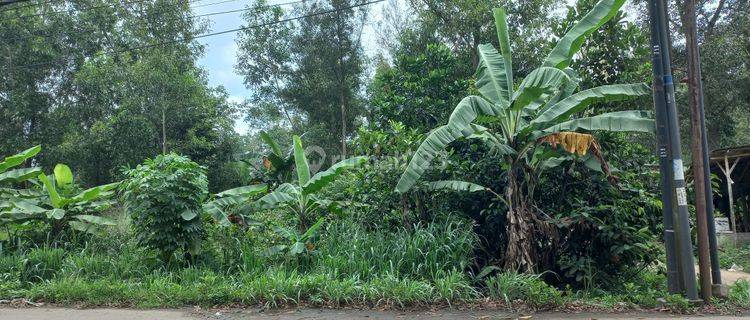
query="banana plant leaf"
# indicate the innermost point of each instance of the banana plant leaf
(459, 125)
(492, 78)
(455, 186)
(628, 121)
(300, 161)
(538, 84)
(19, 175)
(323, 178)
(572, 41)
(245, 191)
(19, 158)
(63, 175)
(284, 194)
(501, 24)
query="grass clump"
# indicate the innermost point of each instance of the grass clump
(528, 288)
(739, 293)
(41, 264)
(426, 252)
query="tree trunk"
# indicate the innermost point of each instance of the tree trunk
(520, 253)
(163, 131)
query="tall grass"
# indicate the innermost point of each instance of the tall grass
(274, 288)
(425, 253)
(528, 288)
(350, 265)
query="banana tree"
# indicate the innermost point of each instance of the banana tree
(524, 124)
(76, 208)
(279, 165)
(302, 198)
(230, 206)
(12, 198)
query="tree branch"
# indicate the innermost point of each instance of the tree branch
(714, 19)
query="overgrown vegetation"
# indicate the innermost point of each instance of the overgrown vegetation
(164, 198)
(537, 193)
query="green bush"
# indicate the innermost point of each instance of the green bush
(164, 198)
(731, 255)
(528, 288)
(605, 233)
(739, 293)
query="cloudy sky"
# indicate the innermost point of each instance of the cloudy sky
(221, 51)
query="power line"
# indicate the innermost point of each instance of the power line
(50, 35)
(9, 2)
(205, 35)
(29, 5)
(51, 1)
(179, 2)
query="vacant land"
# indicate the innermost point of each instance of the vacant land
(311, 314)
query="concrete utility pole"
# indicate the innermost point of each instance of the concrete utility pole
(665, 159)
(666, 109)
(695, 98)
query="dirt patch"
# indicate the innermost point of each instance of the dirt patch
(730, 277)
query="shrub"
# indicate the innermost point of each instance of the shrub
(739, 293)
(605, 234)
(164, 197)
(529, 288)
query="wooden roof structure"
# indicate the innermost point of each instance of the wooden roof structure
(732, 165)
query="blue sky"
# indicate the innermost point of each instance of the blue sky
(221, 51)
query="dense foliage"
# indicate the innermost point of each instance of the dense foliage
(511, 186)
(164, 197)
(29, 197)
(517, 124)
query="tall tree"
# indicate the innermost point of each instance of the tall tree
(465, 24)
(101, 85)
(311, 68)
(722, 37)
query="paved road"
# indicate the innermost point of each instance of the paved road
(310, 314)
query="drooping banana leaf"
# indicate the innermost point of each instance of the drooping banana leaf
(632, 121)
(104, 221)
(459, 125)
(568, 89)
(92, 193)
(300, 161)
(492, 78)
(455, 185)
(572, 41)
(19, 175)
(19, 158)
(582, 100)
(26, 206)
(244, 191)
(323, 178)
(285, 193)
(539, 83)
